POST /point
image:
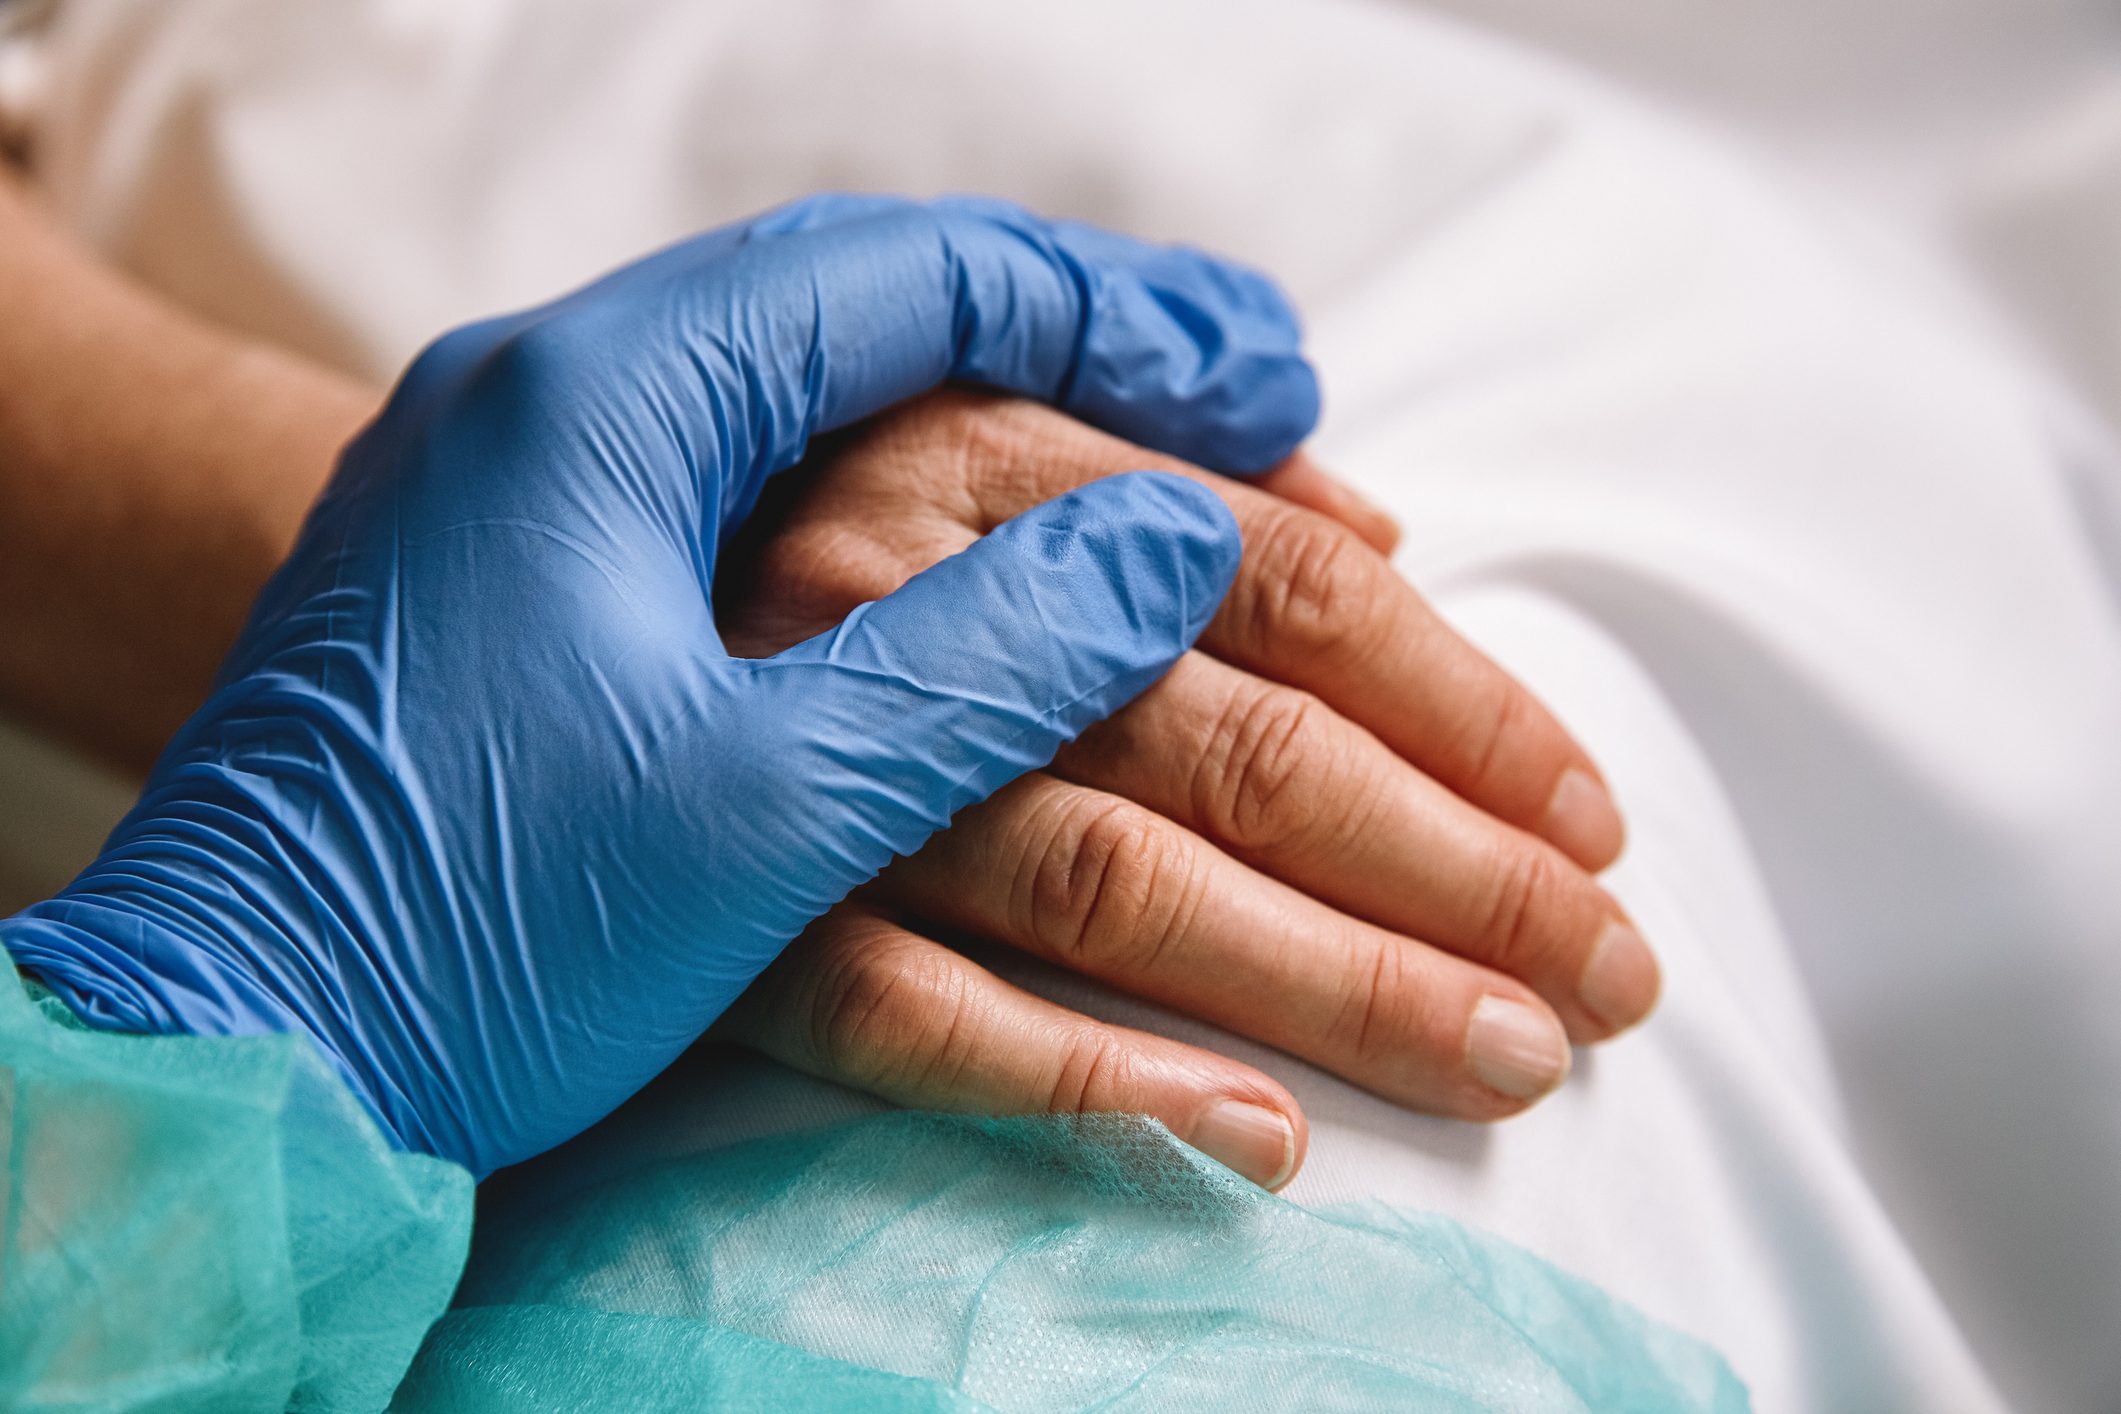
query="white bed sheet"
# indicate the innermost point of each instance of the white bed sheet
(1775, 494)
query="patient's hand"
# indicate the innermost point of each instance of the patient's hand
(1334, 827)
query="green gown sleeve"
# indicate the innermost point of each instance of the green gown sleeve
(194, 1223)
(215, 1224)
(944, 1264)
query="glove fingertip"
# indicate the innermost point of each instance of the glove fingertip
(1175, 516)
(1272, 410)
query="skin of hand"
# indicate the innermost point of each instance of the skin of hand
(1334, 826)
(480, 802)
(163, 512)
(136, 532)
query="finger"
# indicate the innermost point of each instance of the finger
(1101, 885)
(829, 311)
(860, 1001)
(1312, 607)
(1316, 609)
(973, 672)
(1304, 482)
(1284, 783)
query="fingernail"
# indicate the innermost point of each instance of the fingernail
(1521, 1052)
(1252, 1140)
(1620, 981)
(1581, 820)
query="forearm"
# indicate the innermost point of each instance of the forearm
(153, 470)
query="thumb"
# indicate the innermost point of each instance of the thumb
(976, 671)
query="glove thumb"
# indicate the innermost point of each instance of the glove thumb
(976, 671)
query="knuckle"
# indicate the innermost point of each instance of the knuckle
(979, 444)
(1316, 584)
(826, 568)
(1522, 889)
(1484, 747)
(1252, 782)
(1111, 887)
(986, 422)
(522, 384)
(1381, 1012)
(444, 361)
(539, 356)
(1094, 1074)
(999, 444)
(947, 417)
(886, 1011)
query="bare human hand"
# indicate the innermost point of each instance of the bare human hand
(1335, 827)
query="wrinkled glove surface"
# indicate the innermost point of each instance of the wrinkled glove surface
(481, 803)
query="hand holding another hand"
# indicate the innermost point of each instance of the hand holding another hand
(481, 804)
(1335, 827)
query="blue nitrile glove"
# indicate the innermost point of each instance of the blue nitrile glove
(481, 803)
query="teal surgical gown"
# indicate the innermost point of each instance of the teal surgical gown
(215, 1224)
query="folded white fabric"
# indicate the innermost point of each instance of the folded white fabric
(1806, 552)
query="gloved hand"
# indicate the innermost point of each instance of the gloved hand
(480, 801)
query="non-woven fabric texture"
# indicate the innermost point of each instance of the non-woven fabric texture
(205, 1224)
(932, 1262)
(1737, 493)
(215, 1224)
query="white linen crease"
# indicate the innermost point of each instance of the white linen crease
(1781, 518)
